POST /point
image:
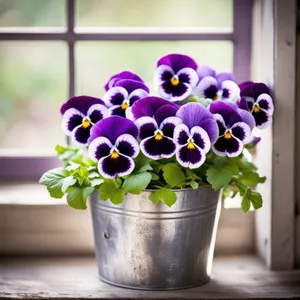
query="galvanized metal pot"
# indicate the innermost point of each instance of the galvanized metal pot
(145, 246)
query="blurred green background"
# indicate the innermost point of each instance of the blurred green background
(34, 74)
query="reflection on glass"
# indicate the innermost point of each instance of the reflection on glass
(32, 13)
(215, 14)
(97, 61)
(33, 85)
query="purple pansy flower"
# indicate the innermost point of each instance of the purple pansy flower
(113, 144)
(119, 76)
(175, 76)
(121, 97)
(255, 97)
(195, 135)
(234, 128)
(216, 86)
(156, 122)
(79, 115)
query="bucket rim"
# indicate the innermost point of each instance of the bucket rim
(180, 190)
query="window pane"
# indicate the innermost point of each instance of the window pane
(33, 85)
(215, 14)
(32, 13)
(97, 61)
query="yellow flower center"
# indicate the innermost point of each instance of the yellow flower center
(227, 135)
(86, 123)
(158, 136)
(174, 81)
(124, 106)
(190, 145)
(215, 98)
(114, 154)
(256, 108)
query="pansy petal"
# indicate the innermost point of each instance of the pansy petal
(112, 127)
(221, 124)
(265, 102)
(115, 96)
(201, 138)
(204, 71)
(181, 134)
(71, 119)
(99, 147)
(131, 85)
(247, 117)
(80, 135)
(169, 124)
(175, 93)
(156, 149)
(146, 127)
(230, 90)
(188, 75)
(208, 88)
(111, 167)
(262, 119)
(164, 112)
(177, 62)
(241, 131)
(231, 147)
(137, 95)
(163, 73)
(97, 112)
(117, 110)
(254, 90)
(224, 76)
(127, 145)
(190, 158)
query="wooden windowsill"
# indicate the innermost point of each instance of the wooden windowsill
(242, 277)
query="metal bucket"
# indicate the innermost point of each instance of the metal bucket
(140, 245)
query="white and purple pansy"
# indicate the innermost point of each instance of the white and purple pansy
(215, 86)
(175, 76)
(195, 136)
(156, 126)
(119, 76)
(235, 128)
(113, 145)
(79, 114)
(121, 97)
(255, 97)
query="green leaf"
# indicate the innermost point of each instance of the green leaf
(54, 180)
(194, 184)
(68, 181)
(173, 174)
(246, 203)
(77, 196)
(251, 178)
(81, 174)
(136, 183)
(251, 197)
(142, 163)
(167, 196)
(95, 182)
(72, 166)
(107, 189)
(218, 178)
(154, 176)
(94, 175)
(118, 196)
(190, 174)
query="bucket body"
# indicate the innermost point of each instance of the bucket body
(141, 245)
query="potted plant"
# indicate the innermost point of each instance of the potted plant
(155, 166)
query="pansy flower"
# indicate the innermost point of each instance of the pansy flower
(194, 137)
(175, 76)
(156, 122)
(121, 97)
(234, 128)
(216, 86)
(119, 76)
(255, 97)
(79, 115)
(113, 145)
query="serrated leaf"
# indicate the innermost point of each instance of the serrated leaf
(218, 178)
(194, 184)
(96, 182)
(68, 181)
(173, 174)
(94, 175)
(144, 168)
(142, 163)
(167, 196)
(136, 183)
(118, 196)
(246, 204)
(154, 176)
(77, 196)
(72, 167)
(53, 180)
(251, 178)
(107, 189)
(251, 197)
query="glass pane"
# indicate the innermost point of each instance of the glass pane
(97, 61)
(32, 13)
(33, 85)
(214, 14)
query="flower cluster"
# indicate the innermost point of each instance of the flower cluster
(192, 133)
